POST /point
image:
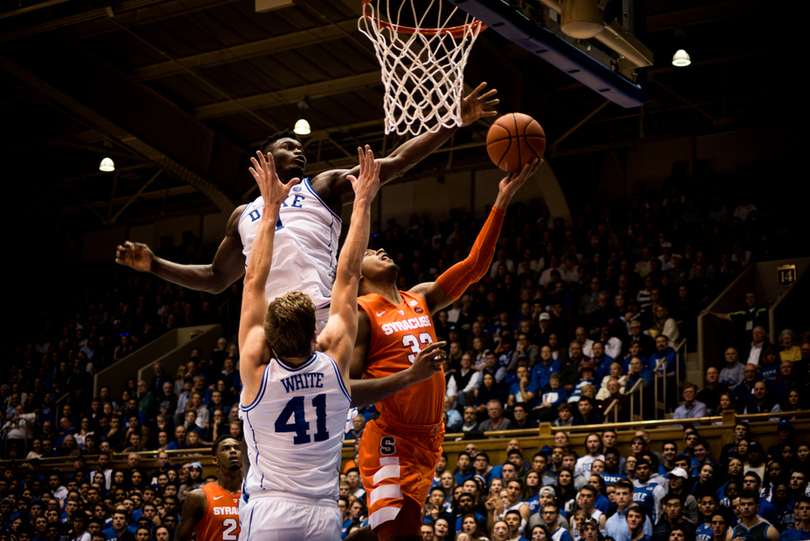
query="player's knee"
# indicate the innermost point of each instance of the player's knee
(405, 526)
(362, 534)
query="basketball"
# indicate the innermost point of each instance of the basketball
(514, 140)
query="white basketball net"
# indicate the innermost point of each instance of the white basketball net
(423, 70)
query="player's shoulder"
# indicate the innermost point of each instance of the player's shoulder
(198, 498)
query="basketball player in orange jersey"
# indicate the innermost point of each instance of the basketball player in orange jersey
(400, 450)
(212, 510)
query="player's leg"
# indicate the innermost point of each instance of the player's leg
(397, 470)
(405, 527)
(362, 534)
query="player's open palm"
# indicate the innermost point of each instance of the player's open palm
(476, 105)
(367, 183)
(135, 255)
(273, 191)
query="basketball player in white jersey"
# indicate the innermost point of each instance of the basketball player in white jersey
(308, 225)
(295, 382)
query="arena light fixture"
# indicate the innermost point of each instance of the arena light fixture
(302, 125)
(107, 165)
(681, 59)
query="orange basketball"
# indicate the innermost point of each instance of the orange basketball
(514, 140)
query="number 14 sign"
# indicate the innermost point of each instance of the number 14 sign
(786, 275)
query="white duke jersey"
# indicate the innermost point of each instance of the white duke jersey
(305, 245)
(294, 429)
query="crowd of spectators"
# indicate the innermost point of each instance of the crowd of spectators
(568, 321)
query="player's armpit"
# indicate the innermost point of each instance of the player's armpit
(254, 353)
(358, 362)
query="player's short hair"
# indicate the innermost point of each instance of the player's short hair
(283, 134)
(290, 325)
(220, 439)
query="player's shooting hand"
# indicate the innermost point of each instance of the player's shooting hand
(428, 361)
(477, 105)
(367, 184)
(512, 183)
(135, 255)
(273, 191)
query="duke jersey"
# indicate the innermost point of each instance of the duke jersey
(294, 429)
(304, 248)
(398, 334)
(704, 533)
(220, 522)
(649, 495)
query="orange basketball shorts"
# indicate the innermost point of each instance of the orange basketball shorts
(397, 461)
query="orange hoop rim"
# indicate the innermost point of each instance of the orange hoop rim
(455, 31)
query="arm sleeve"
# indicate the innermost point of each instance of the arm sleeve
(455, 280)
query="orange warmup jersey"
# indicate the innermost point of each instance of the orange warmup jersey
(221, 519)
(398, 333)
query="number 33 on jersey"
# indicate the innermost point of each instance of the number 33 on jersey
(398, 334)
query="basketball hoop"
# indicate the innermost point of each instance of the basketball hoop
(422, 67)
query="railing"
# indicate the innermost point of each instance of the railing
(729, 417)
(612, 408)
(662, 406)
(632, 394)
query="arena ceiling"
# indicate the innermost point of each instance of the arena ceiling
(178, 92)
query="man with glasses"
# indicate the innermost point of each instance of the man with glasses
(551, 515)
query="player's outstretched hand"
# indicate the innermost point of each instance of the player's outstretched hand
(135, 255)
(367, 184)
(476, 105)
(428, 361)
(273, 191)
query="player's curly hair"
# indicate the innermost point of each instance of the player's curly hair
(290, 325)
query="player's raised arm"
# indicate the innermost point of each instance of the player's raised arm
(475, 105)
(252, 343)
(454, 281)
(338, 338)
(227, 267)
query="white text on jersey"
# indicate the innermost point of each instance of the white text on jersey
(226, 511)
(313, 380)
(406, 325)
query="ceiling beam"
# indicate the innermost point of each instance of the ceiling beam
(78, 18)
(290, 95)
(698, 15)
(128, 13)
(245, 51)
(117, 133)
